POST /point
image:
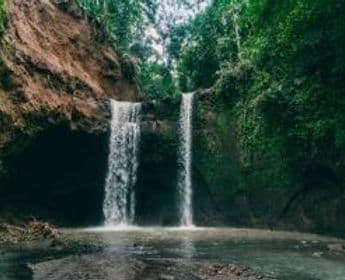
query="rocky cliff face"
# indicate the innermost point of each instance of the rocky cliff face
(225, 190)
(231, 192)
(57, 72)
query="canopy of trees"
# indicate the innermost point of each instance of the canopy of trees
(279, 67)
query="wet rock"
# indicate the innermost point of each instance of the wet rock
(106, 266)
(88, 267)
(50, 83)
(229, 272)
(337, 248)
(31, 231)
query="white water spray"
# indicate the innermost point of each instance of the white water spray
(119, 201)
(185, 161)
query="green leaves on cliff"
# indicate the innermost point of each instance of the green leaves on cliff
(118, 18)
(280, 67)
(128, 24)
(156, 80)
(209, 42)
(3, 17)
(298, 65)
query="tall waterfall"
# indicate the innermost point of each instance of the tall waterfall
(185, 161)
(119, 201)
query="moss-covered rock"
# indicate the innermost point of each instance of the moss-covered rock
(248, 177)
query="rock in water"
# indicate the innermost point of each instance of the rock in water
(31, 231)
(88, 267)
(337, 248)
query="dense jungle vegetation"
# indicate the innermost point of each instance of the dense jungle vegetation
(2, 15)
(129, 24)
(282, 76)
(269, 77)
(276, 68)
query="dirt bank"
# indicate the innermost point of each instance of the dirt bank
(58, 69)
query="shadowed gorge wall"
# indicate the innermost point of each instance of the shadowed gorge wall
(156, 189)
(59, 177)
(242, 195)
(157, 173)
(156, 186)
(57, 68)
(60, 72)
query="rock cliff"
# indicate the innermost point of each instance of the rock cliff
(58, 69)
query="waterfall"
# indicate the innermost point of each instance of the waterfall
(119, 201)
(185, 161)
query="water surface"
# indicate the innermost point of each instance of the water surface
(281, 255)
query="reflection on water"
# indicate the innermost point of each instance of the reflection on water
(280, 254)
(187, 248)
(284, 255)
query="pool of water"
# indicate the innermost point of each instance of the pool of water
(282, 255)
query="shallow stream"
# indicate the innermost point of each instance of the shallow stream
(281, 255)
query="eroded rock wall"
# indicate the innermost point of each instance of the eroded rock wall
(257, 195)
(59, 70)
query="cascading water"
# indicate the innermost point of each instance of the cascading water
(185, 161)
(119, 201)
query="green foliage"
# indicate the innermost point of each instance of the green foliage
(283, 82)
(209, 42)
(304, 65)
(3, 17)
(156, 80)
(297, 93)
(124, 23)
(118, 18)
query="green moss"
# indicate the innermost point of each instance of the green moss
(3, 16)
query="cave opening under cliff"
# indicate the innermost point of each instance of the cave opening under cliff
(59, 177)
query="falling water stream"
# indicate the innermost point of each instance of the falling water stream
(119, 201)
(185, 161)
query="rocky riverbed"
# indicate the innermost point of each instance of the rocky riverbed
(110, 267)
(168, 254)
(33, 230)
(91, 263)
